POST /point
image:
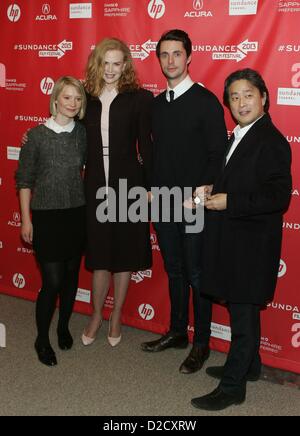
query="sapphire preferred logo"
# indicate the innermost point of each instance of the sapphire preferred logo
(291, 96)
(266, 345)
(156, 9)
(289, 6)
(14, 13)
(10, 84)
(2, 76)
(114, 10)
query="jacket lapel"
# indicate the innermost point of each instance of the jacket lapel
(246, 144)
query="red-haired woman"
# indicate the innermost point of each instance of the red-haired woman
(118, 125)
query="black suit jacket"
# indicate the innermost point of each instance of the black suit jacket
(243, 243)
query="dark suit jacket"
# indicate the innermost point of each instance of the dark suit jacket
(243, 243)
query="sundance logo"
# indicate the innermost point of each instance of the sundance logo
(291, 96)
(14, 13)
(13, 153)
(139, 276)
(146, 312)
(156, 9)
(296, 336)
(47, 85)
(19, 281)
(80, 10)
(142, 51)
(243, 7)
(228, 51)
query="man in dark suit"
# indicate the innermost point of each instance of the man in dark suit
(189, 136)
(243, 231)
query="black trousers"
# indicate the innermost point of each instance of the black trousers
(243, 357)
(182, 255)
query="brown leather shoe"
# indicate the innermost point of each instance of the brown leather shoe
(195, 360)
(170, 340)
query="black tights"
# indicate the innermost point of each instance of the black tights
(58, 278)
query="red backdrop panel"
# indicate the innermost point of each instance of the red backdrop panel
(42, 41)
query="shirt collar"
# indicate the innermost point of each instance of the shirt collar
(240, 132)
(181, 88)
(57, 128)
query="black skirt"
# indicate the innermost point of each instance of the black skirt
(58, 234)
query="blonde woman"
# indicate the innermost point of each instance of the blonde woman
(50, 184)
(118, 125)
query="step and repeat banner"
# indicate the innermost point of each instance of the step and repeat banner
(41, 41)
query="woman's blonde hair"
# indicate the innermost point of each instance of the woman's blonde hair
(94, 82)
(58, 87)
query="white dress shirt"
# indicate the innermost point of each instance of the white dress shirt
(57, 128)
(239, 133)
(180, 89)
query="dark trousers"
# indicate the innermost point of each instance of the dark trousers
(243, 357)
(182, 255)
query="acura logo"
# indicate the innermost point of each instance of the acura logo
(46, 9)
(198, 5)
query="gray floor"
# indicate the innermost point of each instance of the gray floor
(100, 381)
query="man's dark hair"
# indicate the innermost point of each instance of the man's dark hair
(254, 78)
(176, 35)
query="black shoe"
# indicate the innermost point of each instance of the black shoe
(218, 400)
(218, 371)
(65, 340)
(170, 340)
(195, 360)
(46, 354)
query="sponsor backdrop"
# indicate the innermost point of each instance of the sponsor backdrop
(41, 41)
